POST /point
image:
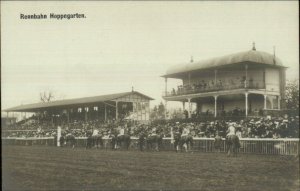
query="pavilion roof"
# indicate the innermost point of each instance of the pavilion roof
(67, 102)
(252, 56)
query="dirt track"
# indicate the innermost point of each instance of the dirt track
(51, 168)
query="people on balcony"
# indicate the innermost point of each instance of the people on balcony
(212, 85)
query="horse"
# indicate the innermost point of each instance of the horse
(180, 141)
(62, 141)
(154, 140)
(97, 140)
(94, 141)
(233, 145)
(118, 140)
(89, 142)
(141, 141)
(70, 139)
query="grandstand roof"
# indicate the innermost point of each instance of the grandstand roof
(252, 56)
(77, 101)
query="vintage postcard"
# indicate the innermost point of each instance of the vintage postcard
(150, 95)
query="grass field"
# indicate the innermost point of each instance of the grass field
(52, 168)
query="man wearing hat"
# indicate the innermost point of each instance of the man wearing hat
(121, 131)
(231, 129)
(185, 131)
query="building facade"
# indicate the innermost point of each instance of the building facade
(128, 105)
(245, 83)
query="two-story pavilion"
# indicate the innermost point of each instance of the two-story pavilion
(249, 81)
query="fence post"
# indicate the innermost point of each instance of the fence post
(58, 136)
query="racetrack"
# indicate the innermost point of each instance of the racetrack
(53, 168)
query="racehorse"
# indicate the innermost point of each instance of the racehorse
(141, 142)
(233, 145)
(180, 141)
(117, 141)
(93, 140)
(154, 140)
(62, 141)
(97, 140)
(89, 142)
(70, 140)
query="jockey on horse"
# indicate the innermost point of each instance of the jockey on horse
(70, 138)
(186, 138)
(117, 139)
(232, 140)
(142, 134)
(182, 137)
(94, 139)
(155, 138)
(97, 138)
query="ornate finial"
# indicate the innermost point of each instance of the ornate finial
(253, 46)
(132, 89)
(192, 60)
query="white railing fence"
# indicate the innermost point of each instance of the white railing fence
(248, 145)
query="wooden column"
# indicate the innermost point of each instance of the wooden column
(246, 75)
(265, 101)
(166, 103)
(216, 100)
(189, 110)
(246, 104)
(85, 114)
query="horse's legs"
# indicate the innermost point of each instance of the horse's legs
(181, 146)
(113, 144)
(156, 146)
(141, 145)
(128, 144)
(236, 148)
(192, 145)
(184, 145)
(175, 146)
(228, 150)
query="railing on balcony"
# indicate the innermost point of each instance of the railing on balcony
(193, 89)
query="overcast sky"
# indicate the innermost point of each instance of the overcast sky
(123, 44)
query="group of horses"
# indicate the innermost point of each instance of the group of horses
(147, 142)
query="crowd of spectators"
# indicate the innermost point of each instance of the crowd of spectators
(28, 133)
(254, 128)
(250, 128)
(211, 85)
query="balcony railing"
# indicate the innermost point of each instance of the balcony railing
(185, 90)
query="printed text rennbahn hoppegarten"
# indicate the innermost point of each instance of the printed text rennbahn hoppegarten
(52, 16)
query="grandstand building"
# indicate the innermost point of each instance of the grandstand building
(247, 83)
(129, 105)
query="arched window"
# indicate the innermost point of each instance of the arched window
(79, 110)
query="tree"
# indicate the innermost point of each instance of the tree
(292, 95)
(161, 111)
(158, 112)
(47, 96)
(153, 114)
